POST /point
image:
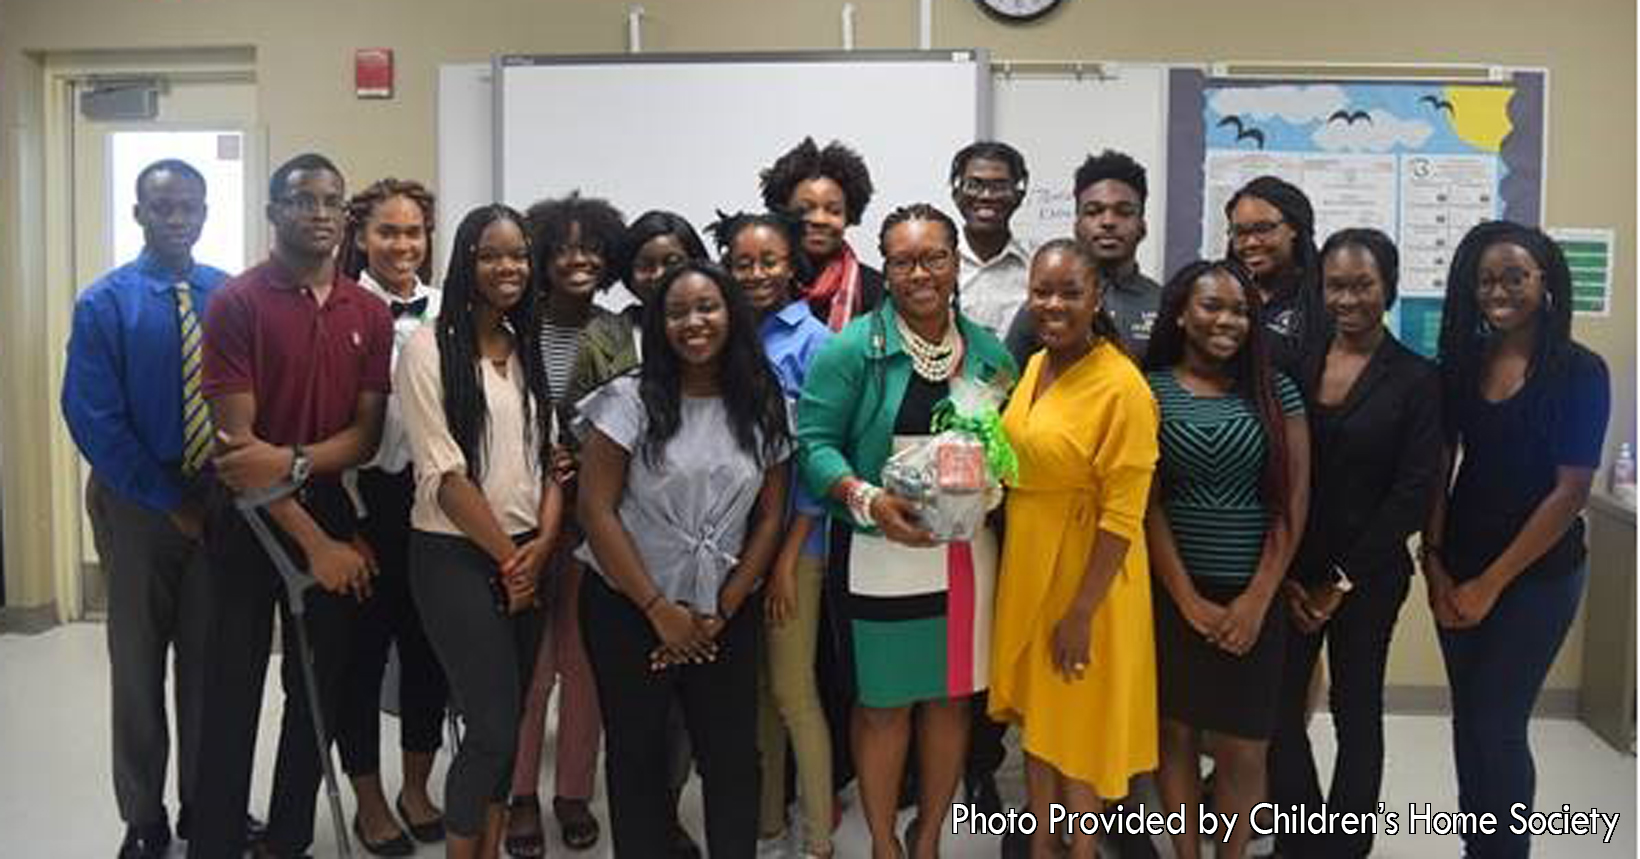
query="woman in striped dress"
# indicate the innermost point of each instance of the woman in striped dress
(1233, 488)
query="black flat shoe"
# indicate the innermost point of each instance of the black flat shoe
(146, 842)
(430, 832)
(398, 845)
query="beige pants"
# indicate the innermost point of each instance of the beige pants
(790, 705)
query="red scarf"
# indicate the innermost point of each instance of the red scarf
(835, 293)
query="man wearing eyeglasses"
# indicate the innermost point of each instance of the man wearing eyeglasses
(1110, 221)
(296, 360)
(987, 185)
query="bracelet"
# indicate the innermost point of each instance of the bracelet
(650, 603)
(860, 497)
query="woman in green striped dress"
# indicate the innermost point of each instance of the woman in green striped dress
(1229, 507)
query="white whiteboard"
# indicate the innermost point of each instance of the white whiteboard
(465, 172)
(690, 132)
(1056, 120)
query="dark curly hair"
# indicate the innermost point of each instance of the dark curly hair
(351, 258)
(1252, 377)
(464, 408)
(603, 230)
(1379, 246)
(1111, 164)
(751, 394)
(727, 228)
(1464, 333)
(807, 161)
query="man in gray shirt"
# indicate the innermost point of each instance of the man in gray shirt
(1110, 221)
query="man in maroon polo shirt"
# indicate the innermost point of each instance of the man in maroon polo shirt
(296, 363)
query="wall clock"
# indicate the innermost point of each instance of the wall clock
(1017, 11)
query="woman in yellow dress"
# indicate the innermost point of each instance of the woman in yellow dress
(1073, 658)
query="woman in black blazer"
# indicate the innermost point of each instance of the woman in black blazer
(1374, 412)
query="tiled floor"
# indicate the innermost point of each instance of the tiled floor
(55, 798)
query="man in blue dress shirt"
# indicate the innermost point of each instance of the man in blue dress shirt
(133, 368)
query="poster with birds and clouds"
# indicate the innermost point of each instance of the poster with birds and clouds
(1423, 162)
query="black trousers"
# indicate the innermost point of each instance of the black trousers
(244, 588)
(1357, 639)
(389, 617)
(719, 701)
(490, 657)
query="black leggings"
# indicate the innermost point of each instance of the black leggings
(719, 702)
(488, 657)
(389, 617)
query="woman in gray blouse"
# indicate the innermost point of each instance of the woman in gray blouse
(682, 492)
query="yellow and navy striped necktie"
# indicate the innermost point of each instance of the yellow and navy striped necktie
(196, 419)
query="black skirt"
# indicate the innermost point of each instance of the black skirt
(1210, 689)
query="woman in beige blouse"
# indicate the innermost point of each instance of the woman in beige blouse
(486, 511)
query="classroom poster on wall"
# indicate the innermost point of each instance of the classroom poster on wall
(1422, 161)
(1589, 255)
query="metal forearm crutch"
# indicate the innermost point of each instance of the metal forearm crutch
(297, 583)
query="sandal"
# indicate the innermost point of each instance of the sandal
(525, 845)
(576, 825)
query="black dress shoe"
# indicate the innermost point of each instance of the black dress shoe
(146, 842)
(255, 830)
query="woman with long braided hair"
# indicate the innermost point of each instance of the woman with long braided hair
(1503, 552)
(486, 512)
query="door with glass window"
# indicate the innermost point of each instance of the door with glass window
(207, 119)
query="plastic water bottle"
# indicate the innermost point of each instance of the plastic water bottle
(1622, 482)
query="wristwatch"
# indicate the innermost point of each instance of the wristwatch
(300, 465)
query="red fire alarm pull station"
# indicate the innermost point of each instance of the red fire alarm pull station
(373, 72)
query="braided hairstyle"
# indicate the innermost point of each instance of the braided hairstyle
(465, 410)
(728, 227)
(352, 259)
(1465, 335)
(1252, 377)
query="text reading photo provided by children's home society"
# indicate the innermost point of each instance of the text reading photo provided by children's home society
(1420, 818)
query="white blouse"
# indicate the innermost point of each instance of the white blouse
(512, 475)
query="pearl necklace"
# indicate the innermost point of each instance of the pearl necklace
(935, 362)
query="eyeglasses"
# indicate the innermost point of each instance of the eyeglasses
(313, 205)
(936, 262)
(1255, 228)
(1511, 281)
(977, 187)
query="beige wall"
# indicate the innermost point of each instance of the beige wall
(304, 49)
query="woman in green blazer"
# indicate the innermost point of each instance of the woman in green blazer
(918, 613)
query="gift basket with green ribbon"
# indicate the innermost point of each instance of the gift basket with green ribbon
(956, 475)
